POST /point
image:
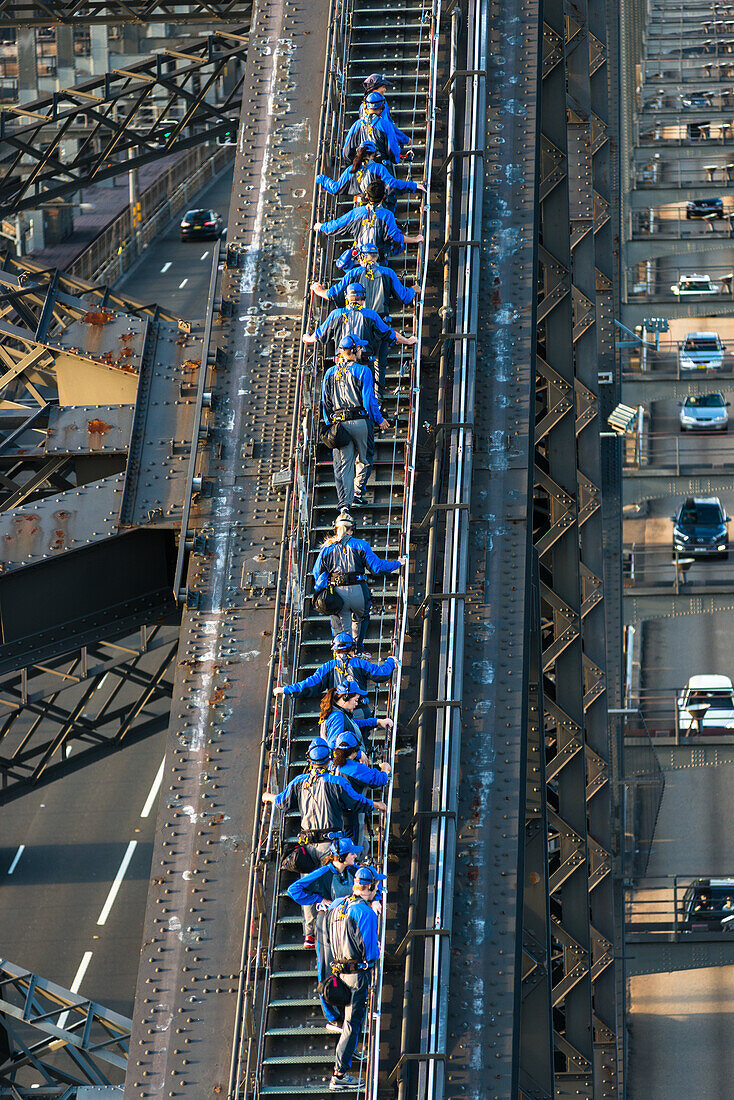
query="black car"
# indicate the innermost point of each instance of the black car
(699, 528)
(706, 904)
(201, 225)
(705, 208)
(699, 131)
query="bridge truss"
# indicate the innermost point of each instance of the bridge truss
(29, 13)
(119, 121)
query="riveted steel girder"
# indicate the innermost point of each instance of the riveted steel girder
(577, 275)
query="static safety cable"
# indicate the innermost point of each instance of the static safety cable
(375, 1018)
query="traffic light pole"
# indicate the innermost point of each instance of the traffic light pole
(135, 207)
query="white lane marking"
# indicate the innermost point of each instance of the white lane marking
(153, 792)
(75, 985)
(79, 976)
(114, 888)
(165, 267)
(183, 284)
(205, 255)
(16, 857)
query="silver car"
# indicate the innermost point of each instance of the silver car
(702, 351)
(704, 412)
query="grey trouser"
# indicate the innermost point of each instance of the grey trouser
(353, 461)
(354, 1014)
(324, 959)
(355, 614)
(309, 911)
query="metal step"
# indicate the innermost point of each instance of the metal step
(301, 1090)
(296, 1002)
(293, 975)
(327, 1057)
(382, 39)
(304, 1029)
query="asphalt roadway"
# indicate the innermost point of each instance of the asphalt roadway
(75, 855)
(675, 649)
(175, 273)
(681, 1023)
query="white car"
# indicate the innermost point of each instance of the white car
(705, 412)
(718, 693)
(688, 285)
(701, 351)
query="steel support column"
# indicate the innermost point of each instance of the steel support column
(574, 313)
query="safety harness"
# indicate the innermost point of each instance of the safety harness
(316, 836)
(344, 578)
(347, 966)
(348, 412)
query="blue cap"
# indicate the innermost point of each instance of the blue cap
(365, 876)
(369, 247)
(343, 846)
(375, 99)
(347, 740)
(318, 750)
(349, 687)
(355, 290)
(349, 343)
(343, 640)
(369, 146)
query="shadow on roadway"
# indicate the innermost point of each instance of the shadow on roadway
(52, 864)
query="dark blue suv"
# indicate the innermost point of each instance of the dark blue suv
(699, 529)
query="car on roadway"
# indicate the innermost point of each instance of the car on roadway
(705, 208)
(715, 692)
(198, 225)
(701, 351)
(706, 904)
(700, 529)
(689, 286)
(704, 412)
(693, 101)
